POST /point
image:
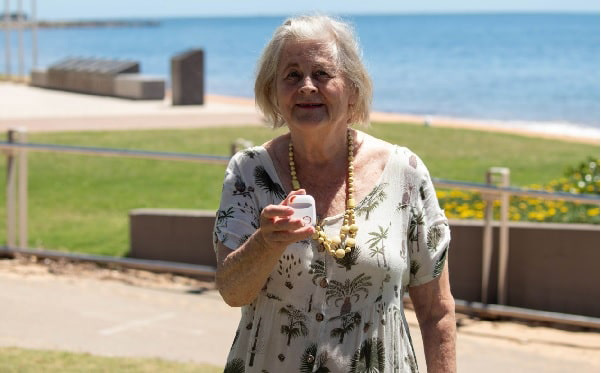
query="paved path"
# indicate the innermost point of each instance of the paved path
(114, 318)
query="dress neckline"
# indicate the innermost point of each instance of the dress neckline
(270, 166)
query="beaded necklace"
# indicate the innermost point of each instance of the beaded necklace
(337, 246)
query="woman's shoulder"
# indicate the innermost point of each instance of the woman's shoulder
(408, 160)
(248, 157)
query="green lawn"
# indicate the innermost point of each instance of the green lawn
(19, 360)
(81, 203)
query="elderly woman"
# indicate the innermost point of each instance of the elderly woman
(329, 297)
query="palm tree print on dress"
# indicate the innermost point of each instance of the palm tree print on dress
(245, 208)
(254, 349)
(414, 268)
(234, 366)
(408, 190)
(369, 358)
(434, 234)
(224, 215)
(318, 270)
(296, 323)
(241, 189)
(438, 267)
(250, 153)
(417, 219)
(350, 289)
(349, 259)
(263, 180)
(371, 201)
(349, 322)
(313, 363)
(287, 268)
(378, 238)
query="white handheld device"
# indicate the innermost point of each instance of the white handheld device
(304, 208)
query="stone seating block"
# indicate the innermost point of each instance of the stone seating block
(39, 78)
(139, 87)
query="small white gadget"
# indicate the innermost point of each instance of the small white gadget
(304, 208)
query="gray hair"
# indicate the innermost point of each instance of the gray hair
(345, 50)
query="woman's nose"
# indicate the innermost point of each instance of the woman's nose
(307, 86)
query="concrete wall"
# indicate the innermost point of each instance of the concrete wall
(552, 267)
(184, 236)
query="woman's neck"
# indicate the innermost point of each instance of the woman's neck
(318, 149)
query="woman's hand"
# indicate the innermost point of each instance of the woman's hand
(242, 273)
(277, 229)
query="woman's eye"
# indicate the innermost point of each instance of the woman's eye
(293, 75)
(322, 74)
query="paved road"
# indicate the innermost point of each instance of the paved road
(107, 317)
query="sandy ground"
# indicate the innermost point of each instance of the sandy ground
(104, 311)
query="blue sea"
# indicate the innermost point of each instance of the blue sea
(539, 70)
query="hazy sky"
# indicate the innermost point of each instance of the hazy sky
(69, 9)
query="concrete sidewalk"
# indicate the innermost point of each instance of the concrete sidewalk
(106, 312)
(43, 110)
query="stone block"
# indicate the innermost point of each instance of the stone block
(39, 78)
(139, 87)
(187, 78)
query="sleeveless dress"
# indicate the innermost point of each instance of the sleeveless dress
(317, 313)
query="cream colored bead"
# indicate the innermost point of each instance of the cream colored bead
(295, 184)
(353, 228)
(347, 249)
(345, 229)
(320, 239)
(351, 203)
(350, 242)
(315, 235)
(336, 240)
(340, 253)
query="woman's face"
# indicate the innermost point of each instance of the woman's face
(310, 89)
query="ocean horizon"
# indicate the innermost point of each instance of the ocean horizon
(538, 71)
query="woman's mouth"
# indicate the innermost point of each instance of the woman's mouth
(309, 106)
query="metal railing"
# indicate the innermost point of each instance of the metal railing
(497, 188)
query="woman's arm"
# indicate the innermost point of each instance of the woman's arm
(435, 311)
(242, 273)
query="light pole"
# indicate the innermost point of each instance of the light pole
(20, 35)
(7, 33)
(34, 34)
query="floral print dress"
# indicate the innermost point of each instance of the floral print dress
(317, 313)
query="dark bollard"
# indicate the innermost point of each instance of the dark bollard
(187, 78)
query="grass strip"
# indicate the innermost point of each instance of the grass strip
(20, 360)
(81, 203)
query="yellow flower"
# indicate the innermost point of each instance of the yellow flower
(593, 212)
(516, 216)
(551, 212)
